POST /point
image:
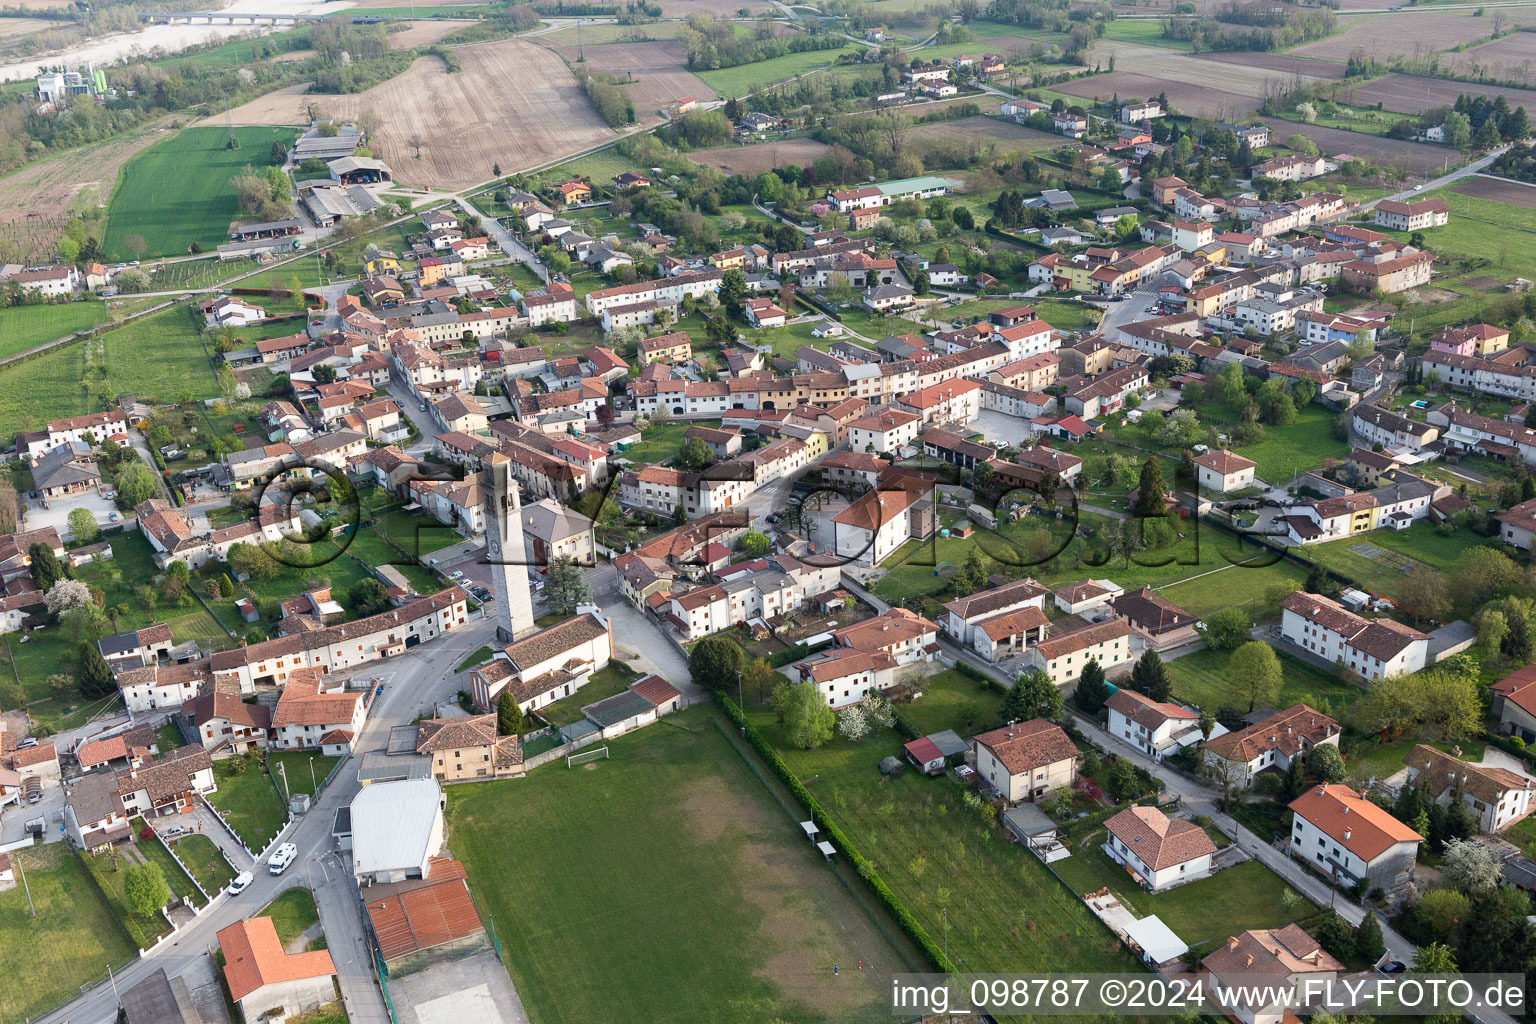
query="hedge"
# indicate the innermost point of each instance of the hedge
(783, 658)
(866, 870)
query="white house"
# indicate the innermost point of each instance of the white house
(1497, 796)
(1272, 963)
(1153, 727)
(1223, 471)
(1375, 649)
(312, 713)
(844, 675)
(884, 431)
(961, 615)
(548, 665)
(1063, 657)
(1159, 851)
(397, 830)
(1347, 837)
(1271, 743)
(880, 521)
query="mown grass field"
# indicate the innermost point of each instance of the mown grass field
(1005, 912)
(26, 327)
(112, 874)
(75, 935)
(1201, 678)
(178, 191)
(740, 80)
(207, 864)
(1418, 547)
(249, 802)
(42, 389)
(672, 845)
(1285, 451)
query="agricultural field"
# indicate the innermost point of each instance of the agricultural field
(1201, 678)
(757, 157)
(26, 327)
(745, 78)
(71, 941)
(658, 68)
(1277, 63)
(35, 200)
(424, 33)
(1514, 193)
(1406, 33)
(42, 389)
(1509, 58)
(1486, 228)
(1412, 157)
(1410, 94)
(463, 117)
(160, 357)
(601, 34)
(178, 191)
(719, 8)
(981, 133)
(744, 907)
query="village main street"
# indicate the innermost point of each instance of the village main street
(415, 683)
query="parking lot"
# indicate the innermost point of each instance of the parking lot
(43, 513)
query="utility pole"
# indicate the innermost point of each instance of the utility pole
(314, 787)
(282, 770)
(21, 871)
(117, 998)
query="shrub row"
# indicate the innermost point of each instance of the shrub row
(866, 870)
(783, 658)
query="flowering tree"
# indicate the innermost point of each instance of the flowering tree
(66, 594)
(853, 723)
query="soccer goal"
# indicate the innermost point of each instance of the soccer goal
(572, 760)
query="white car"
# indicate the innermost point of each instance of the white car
(242, 880)
(456, 575)
(282, 858)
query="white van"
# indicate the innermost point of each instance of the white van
(282, 858)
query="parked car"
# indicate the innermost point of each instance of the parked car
(113, 517)
(282, 858)
(1392, 967)
(173, 832)
(457, 574)
(238, 886)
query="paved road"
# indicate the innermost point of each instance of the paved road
(1445, 179)
(415, 683)
(508, 242)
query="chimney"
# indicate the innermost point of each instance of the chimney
(1232, 942)
(1347, 834)
(1248, 959)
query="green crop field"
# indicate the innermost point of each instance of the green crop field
(160, 357)
(43, 389)
(749, 917)
(178, 191)
(26, 327)
(740, 80)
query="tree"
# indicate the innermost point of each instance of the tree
(1458, 130)
(695, 454)
(1207, 723)
(1232, 388)
(1255, 673)
(1092, 690)
(369, 597)
(251, 561)
(564, 586)
(1294, 782)
(144, 889)
(1149, 500)
(135, 483)
(1486, 136)
(808, 721)
(82, 525)
(1109, 180)
(1425, 596)
(66, 595)
(1470, 866)
(46, 568)
(95, 676)
(1150, 676)
(1334, 934)
(1033, 696)
(972, 576)
(733, 288)
(754, 543)
(1434, 958)
(852, 724)
(715, 661)
(509, 715)
(1326, 764)
(1122, 781)
(1226, 628)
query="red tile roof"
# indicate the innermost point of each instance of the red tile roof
(254, 958)
(1352, 821)
(1025, 746)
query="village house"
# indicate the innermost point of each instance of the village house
(1063, 657)
(1158, 851)
(1273, 962)
(1154, 727)
(1412, 216)
(1514, 702)
(552, 663)
(1374, 649)
(1269, 744)
(465, 748)
(262, 976)
(314, 714)
(1346, 837)
(1497, 797)
(1025, 761)
(1222, 471)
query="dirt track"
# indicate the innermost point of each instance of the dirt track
(514, 104)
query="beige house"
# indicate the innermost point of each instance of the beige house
(1262, 960)
(1497, 796)
(467, 748)
(1026, 761)
(1064, 657)
(1514, 701)
(262, 977)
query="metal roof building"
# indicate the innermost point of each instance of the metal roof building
(397, 828)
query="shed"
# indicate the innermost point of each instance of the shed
(620, 713)
(949, 743)
(928, 758)
(1155, 941)
(1034, 828)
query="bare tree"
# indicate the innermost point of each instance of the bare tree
(416, 142)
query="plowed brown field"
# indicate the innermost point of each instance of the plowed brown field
(657, 67)
(514, 104)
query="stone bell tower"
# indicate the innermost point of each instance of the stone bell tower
(504, 550)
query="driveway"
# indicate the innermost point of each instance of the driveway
(43, 513)
(637, 641)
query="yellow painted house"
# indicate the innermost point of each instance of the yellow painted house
(382, 265)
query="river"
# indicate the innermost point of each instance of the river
(108, 50)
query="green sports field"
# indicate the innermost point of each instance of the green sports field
(664, 884)
(177, 191)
